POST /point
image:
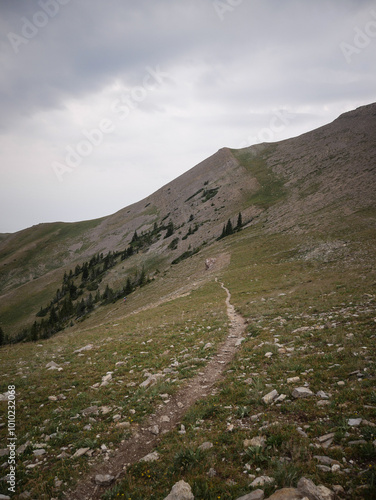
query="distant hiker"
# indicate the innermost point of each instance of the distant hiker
(125, 299)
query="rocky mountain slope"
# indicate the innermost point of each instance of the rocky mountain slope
(244, 370)
(291, 185)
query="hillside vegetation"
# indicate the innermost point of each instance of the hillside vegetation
(300, 273)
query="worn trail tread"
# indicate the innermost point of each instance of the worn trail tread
(144, 441)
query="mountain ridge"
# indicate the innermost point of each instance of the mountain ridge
(270, 325)
(288, 186)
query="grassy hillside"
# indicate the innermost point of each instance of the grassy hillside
(300, 272)
(315, 319)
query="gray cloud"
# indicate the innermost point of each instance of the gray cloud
(227, 70)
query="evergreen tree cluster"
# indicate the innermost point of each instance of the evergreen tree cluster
(229, 229)
(69, 302)
(2, 337)
(80, 289)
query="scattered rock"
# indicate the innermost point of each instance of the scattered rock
(302, 392)
(80, 452)
(286, 494)
(85, 348)
(212, 472)
(256, 441)
(4, 452)
(324, 468)
(268, 354)
(24, 495)
(326, 493)
(91, 410)
(261, 480)
(4, 497)
(205, 446)
(209, 263)
(180, 491)
(4, 396)
(323, 402)
(154, 429)
(280, 398)
(106, 379)
(254, 495)
(239, 341)
(338, 489)
(165, 419)
(307, 488)
(151, 457)
(53, 366)
(39, 453)
(123, 425)
(357, 442)
(270, 397)
(325, 460)
(22, 448)
(293, 380)
(104, 479)
(326, 440)
(354, 422)
(322, 395)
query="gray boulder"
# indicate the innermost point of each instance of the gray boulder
(104, 479)
(180, 491)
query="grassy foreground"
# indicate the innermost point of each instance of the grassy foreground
(311, 314)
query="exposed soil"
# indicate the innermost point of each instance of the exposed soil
(143, 441)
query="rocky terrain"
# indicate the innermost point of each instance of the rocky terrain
(245, 370)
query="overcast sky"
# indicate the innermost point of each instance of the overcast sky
(104, 101)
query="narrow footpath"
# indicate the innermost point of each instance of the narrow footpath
(144, 440)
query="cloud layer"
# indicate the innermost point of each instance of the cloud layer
(104, 102)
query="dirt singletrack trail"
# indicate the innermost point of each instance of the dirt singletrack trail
(143, 440)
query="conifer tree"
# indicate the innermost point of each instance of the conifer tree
(240, 222)
(53, 317)
(128, 287)
(229, 229)
(135, 237)
(142, 280)
(34, 332)
(2, 336)
(170, 230)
